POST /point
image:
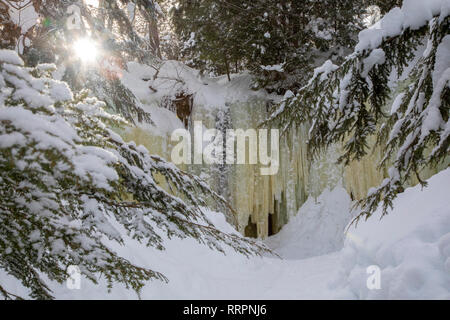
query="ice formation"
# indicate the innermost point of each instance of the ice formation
(263, 203)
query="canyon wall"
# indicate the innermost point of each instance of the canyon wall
(263, 203)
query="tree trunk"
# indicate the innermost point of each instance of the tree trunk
(154, 37)
(227, 66)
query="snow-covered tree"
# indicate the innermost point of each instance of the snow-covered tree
(349, 103)
(45, 31)
(66, 180)
(280, 42)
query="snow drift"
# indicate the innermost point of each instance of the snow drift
(411, 246)
(318, 228)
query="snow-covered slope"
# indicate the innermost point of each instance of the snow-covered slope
(196, 272)
(318, 228)
(411, 246)
(152, 84)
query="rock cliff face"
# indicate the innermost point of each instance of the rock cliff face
(263, 203)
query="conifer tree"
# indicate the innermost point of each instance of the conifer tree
(280, 42)
(123, 30)
(66, 180)
(349, 103)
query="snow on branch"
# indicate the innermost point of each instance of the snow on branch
(67, 181)
(348, 104)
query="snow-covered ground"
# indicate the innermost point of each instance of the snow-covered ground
(317, 229)
(410, 247)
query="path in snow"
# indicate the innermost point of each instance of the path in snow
(411, 247)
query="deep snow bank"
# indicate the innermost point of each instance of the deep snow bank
(317, 228)
(411, 246)
(196, 272)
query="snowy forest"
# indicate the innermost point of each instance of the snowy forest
(223, 149)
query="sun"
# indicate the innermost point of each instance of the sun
(86, 50)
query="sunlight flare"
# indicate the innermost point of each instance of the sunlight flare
(86, 50)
